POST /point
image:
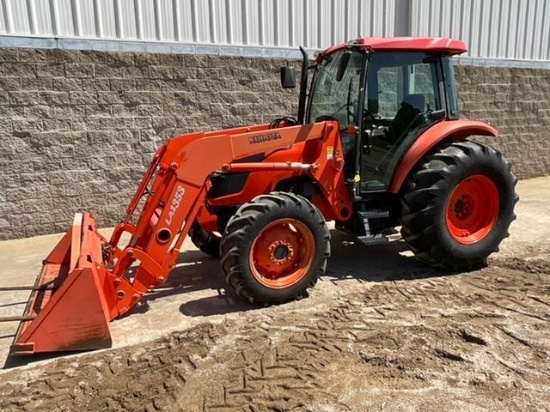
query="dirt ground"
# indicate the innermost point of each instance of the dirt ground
(379, 332)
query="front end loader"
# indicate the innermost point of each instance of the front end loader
(377, 144)
(85, 282)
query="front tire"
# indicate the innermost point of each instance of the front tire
(458, 206)
(275, 248)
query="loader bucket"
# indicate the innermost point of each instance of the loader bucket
(67, 309)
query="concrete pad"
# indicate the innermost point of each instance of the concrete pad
(197, 292)
(531, 230)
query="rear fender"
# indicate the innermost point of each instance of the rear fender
(453, 129)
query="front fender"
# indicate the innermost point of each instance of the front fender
(457, 129)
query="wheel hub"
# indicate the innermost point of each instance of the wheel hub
(472, 209)
(281, 252)
(462, 208)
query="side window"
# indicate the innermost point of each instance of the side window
(450, 86)
(422, 80)
(390, 94)
(402, 87)
(398, 79)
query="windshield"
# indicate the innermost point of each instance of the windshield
(335, 89)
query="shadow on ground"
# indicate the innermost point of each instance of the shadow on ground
(197, 272)
(350, 259)
(391, 261)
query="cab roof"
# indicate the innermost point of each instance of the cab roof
(436, 45)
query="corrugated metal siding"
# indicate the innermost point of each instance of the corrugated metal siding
(272, 23)
(512, 29)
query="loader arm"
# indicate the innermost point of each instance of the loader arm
(179, 180)
(87, 281)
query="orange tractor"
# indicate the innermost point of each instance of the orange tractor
(377, 143)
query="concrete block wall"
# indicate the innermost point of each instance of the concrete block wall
(78, 128)
(517, 103)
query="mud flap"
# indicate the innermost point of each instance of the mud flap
(68, 308)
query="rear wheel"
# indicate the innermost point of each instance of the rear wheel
(458, 206)
(274, 248)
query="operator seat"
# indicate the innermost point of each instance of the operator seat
(412, 105)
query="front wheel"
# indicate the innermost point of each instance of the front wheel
(458, 206)
(274, 248)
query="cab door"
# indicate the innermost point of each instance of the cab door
(404, 96)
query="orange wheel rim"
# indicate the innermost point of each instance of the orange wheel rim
(472, 210)
(282, 254)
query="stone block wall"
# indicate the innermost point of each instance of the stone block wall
(78, 128)
(517, 103)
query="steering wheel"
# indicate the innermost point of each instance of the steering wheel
(325, 118)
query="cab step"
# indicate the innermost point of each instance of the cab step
(373, 239)
(370, 238)
(374, 214)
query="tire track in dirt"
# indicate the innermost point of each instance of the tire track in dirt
(376, 338)
(478, 341)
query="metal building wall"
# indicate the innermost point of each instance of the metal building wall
(272, 23)
(511, 29)
(506, 29)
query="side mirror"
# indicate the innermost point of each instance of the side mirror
(288, 77)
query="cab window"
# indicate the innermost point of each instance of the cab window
(336, 88)
(402, 93)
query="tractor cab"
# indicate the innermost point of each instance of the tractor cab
(384, 95)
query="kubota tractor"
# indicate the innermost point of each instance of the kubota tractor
(377, 144)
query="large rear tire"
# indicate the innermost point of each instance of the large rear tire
(275, 248)
(458, 205)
